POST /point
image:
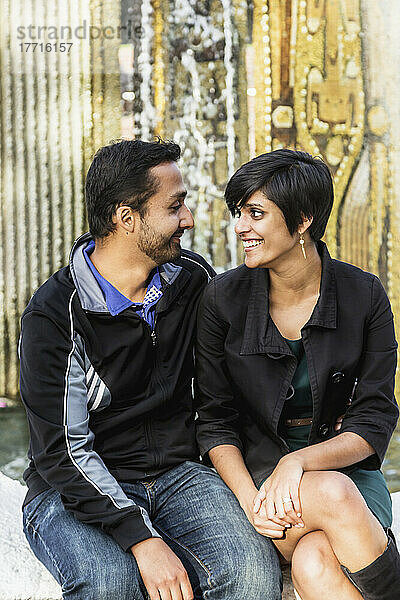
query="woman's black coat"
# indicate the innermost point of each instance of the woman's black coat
(245, 367)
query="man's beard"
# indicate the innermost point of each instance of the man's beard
(157, 246)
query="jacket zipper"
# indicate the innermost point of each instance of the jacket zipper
(148, 430)
(154, 340)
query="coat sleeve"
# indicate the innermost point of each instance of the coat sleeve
(373, 412)
(218, 418)
(53, 390)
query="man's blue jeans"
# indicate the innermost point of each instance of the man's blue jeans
(197, 516)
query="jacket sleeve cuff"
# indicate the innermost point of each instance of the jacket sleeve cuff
(205, 447)
(131, 530)
(379, 445)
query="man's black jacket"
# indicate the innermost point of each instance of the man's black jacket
(106, 400)
(245, 367)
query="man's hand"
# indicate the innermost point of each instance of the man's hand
(162, 572)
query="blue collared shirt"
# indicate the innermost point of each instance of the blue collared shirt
(117, 302)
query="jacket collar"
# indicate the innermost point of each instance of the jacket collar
(88, 289)
(261, 334)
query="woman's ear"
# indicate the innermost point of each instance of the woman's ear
(302, 228)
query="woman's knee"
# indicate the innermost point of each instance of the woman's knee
(311, 560)
(333, 491)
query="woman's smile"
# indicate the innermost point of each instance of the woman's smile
(249, 245)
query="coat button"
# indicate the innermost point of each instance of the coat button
(323, 430)
(337, 377)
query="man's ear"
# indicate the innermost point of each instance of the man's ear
(305, 224)
(126, 218)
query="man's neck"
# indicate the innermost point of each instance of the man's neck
(130, 276)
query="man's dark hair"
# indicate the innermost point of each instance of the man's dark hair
(120, 175)
(297, 183)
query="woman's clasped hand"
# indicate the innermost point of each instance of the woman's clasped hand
(278, 499)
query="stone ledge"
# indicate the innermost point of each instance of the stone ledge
(22, 577)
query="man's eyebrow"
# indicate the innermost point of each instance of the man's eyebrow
(178, 195)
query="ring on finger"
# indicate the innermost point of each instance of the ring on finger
(287, 501)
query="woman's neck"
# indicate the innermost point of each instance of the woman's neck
(295, 281)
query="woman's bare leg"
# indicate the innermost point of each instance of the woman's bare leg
(332, 503)
(316, 572)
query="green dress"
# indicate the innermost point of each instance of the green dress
(371, 484)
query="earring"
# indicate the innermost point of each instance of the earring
(302, 246)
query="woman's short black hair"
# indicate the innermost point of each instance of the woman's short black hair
(120, 175)
(299, 184)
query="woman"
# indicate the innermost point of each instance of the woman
(287, 343)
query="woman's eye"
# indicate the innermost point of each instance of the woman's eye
(256, 213)
(177, 207)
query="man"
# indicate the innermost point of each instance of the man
(118, 505)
